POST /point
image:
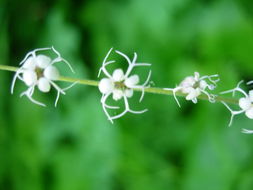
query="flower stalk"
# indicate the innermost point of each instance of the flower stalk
(153, 90)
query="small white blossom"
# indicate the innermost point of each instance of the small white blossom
(121, 85)
(245, 103)
(38, 70)
(193, 86)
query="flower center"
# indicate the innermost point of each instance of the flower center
(120, 85)
(196, 84)
(39, 72)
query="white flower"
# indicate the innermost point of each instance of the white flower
(38, 70)
(193, 86)
(245, 103)
(121, 85)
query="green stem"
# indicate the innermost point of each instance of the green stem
(8, 68)
(148, 90)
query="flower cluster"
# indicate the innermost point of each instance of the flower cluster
(193, 86)
(38, 71)
(245, 103)
(121, 85)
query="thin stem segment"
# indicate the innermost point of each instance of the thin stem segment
(148, 90)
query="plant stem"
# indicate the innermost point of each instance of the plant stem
(8, 68)
(148, 90)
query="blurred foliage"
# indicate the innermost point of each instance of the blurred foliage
(74, 147)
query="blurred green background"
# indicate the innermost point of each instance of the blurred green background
(75, 147)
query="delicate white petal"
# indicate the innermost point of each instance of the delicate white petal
(203, 84)
(188, 82)
(193, 94)
(249, 113)
(30, 63)
(51, 73)
(44, 85)
(117, 94)
(118, 75)
(132, 81)
(195, 100)
(186, 90)
(29, 77)
(196, 76)
(244, 103)
(106, 86)
(129, 93)
(43, 61)
(251, 95)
